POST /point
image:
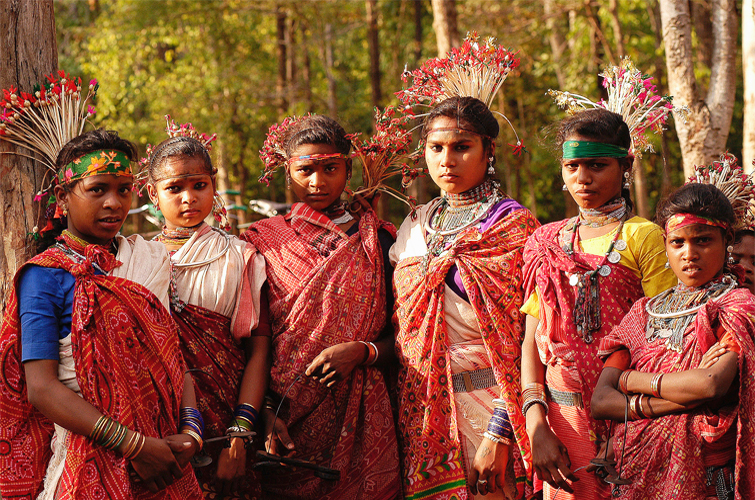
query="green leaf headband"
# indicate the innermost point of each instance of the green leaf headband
(590, 149)
(101, 162)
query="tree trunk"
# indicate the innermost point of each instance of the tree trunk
(556, 39)
(374, 46)
(307, 73)
(280, 35)
(291, 51)
(618, 33)
(29, 49)
(444, 24)
(748, 70)
(703, 136)
(329, 64)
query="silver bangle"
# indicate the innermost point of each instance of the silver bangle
(496, 439)
(531, 402)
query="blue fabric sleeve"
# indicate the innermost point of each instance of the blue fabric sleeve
(45, 300)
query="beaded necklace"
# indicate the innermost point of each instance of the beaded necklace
(587, 315)
(611, 212)
(337, 214)
(177, 236)
(76, 256)
(671, 312)
(453, 213)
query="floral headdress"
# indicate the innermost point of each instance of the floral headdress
(386, 154)
(632, 95)
(273, 152)
(476, 69)
(728, 176)
(172, 129)
(44, 122)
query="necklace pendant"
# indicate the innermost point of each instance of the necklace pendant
(614, 257)
(573, 280)
(604, 270)
(566, 248)
(665, 333)
(620, 245)
(588, 338)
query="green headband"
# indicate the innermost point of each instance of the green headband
(101, 162)
(589, 149)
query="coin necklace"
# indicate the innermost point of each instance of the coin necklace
(587, 305)
(671, 312)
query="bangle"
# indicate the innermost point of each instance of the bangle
(197, 437)
(496, 438)
(640, 408)
(372, 353)
(529, 404)
(655, 385)
(245, 415)
(534, 390)
(136, 441)
(623, 379)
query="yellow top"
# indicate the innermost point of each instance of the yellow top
(645, 256)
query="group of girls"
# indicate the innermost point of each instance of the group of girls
(517, 345)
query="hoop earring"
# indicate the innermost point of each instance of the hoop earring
(626, 180)
(491, 169)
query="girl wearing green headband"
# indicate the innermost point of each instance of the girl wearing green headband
(582, 275)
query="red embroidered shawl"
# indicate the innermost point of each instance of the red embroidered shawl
(664, 455)
(489, 265)
(128, 366)
(317, 301)
(548, 266)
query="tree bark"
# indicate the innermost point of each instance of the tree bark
(444, 24)
(280, 34)
(374, 47)
(329, 64)
(618, 33)
(29, 48)
(556, 39)
(703, 136)
(748, 70)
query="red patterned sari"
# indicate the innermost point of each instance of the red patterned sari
(666, 457)
(489, 265)
(574, 366)
(326, 288)
(128, 366)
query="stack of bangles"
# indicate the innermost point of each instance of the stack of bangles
(111, 434)
(191, 423)
(534, 394)
(372, 353)
(244, 418)
(636, 410)
(499, 426)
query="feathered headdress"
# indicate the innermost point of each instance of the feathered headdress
(385, 155)
(728, 176)
(45, 121)
(476, 69)
(632, 95)
(172, 129)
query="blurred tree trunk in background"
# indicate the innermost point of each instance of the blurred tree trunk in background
(29, 50)
(703, 136)
(748, 70)
(445, 25)
(374, 46)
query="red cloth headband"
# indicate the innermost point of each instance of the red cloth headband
(679, 221)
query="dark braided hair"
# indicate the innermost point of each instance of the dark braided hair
(181, 146)
(470, 114)
(600, 125)
(317, 129)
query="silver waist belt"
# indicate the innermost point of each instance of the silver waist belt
(565, 398)
(471, 381)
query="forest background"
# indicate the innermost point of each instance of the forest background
(235, 67)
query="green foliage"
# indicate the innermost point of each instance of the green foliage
(215, 63)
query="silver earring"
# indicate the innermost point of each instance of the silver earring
(626, 180)
(564, 188)
(491, 169)
(729, 251)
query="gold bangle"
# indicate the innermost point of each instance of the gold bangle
(641, 411)
(655, 385)
(139, 448)
(190, 432)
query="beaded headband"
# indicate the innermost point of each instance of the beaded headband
(678, 221)
(101, 162)
(317, 157)
(458, 130)
(591, 149)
